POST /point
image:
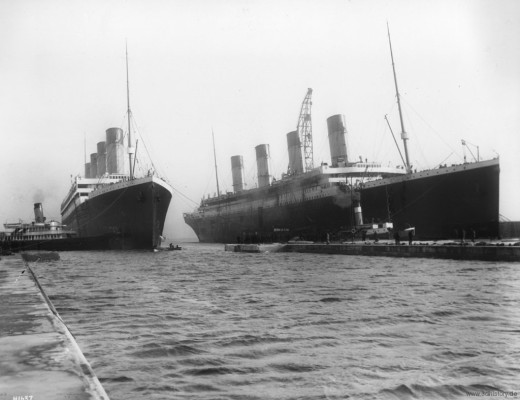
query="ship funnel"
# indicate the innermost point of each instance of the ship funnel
(101, 159)
(237, 170)
(294, 146)
(263, 160)
(38, 213)
(87, 170)
(358, 214)
(115, 151)
(337, 139)
(93, 165)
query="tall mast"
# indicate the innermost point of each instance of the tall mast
(129, 112)
(404, 135)
(215, 158)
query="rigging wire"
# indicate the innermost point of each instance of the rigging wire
(381, 148)
(142, 166)
(438, 165)
(432, 129)
(184, 196)
(136, 129)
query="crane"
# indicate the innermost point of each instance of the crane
(304, 129)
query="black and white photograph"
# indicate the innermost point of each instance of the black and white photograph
(258, 199)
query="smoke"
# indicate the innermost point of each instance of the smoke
(38, 196)
(344, 198)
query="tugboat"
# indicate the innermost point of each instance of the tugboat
(36, 235)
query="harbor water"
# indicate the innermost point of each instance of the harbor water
(203, 323)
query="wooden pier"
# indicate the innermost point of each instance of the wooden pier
(502, 251)
(499, 252)
(39, 357)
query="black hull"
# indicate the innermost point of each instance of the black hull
(309, 220)
(440, 204)
(127, 217)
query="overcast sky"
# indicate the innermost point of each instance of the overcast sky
(242, 68)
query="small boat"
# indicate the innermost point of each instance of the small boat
(171, 247)
(36, 235)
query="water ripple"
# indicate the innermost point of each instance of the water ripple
(206, 324)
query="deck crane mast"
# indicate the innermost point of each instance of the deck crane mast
(304, 129)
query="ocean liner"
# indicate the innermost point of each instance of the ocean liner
(109, 207)
(335, 200)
